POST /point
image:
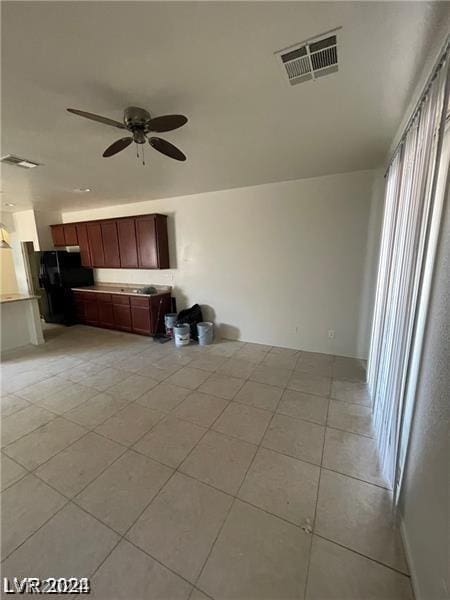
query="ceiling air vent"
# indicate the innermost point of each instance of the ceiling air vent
(24, 163)
(310, 59)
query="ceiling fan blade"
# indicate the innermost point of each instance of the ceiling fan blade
(166, 148)
(167, 123)
(117, 146)
(97, 118)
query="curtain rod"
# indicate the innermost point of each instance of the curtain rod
(437, 67)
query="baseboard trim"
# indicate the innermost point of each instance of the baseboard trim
(409, 560)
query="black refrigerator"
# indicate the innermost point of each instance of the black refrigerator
(58, 272)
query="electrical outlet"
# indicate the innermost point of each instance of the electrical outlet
(331, 334)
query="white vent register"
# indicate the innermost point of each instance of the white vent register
(311, 59)
(24, 163)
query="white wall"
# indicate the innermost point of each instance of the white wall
(425, 500)
(8, 279)
(280, 263)
(43, 219)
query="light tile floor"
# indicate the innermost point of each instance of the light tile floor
(235, 471)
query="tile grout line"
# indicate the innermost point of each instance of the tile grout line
(313, 524)
(378, 562)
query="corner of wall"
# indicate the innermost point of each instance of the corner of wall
(409, 560)
(369, 282)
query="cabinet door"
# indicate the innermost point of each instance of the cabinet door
(140, 315)
(140, 320)
(83, 242)
(70, 235)
(162, 242)
(122, 317)
(110, 244)
(127, 243)
(78, 304)
(91, 310)
(146, 242)
(94, 232)
(58, 235)
(105, 314)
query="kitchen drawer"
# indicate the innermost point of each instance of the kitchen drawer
(140, 302)
(120, 299)
(84, 295)
(104, 297)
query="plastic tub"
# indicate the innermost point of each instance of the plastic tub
(182, 334)
(170, 320)
(205, 332)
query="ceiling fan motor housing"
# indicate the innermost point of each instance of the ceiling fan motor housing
(137, 119)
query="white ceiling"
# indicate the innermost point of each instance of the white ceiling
(214, 62)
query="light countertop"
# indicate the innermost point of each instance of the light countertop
(4, 298)
(122, 288)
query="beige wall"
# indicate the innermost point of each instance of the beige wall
(279, 264)
(8, 280)
(43, 219)
(425, 506)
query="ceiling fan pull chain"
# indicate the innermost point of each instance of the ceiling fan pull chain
(137, 151)
(143, 157)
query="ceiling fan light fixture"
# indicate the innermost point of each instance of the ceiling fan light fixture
(140, 124)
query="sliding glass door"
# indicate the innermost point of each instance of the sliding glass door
(411, 209)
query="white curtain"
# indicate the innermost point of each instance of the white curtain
(410, 211)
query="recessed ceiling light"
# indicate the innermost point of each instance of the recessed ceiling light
(82, 190)
(27, 164)
(9, 204)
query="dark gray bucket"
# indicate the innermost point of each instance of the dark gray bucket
(205, 332)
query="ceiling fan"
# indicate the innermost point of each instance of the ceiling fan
(140, 124)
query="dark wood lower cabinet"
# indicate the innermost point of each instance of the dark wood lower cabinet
(91, 311)
(105, 314)
(139, 314)
(79, 309)
(122, 317)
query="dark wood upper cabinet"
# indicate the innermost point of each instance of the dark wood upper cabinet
(70, 234)
(94, 232)
(83, 242)
(126, 231)
(129, 243)
(152, 243)
(162, 242)
(64, 235)
(146, 242)
(110, 244)
(58, 235)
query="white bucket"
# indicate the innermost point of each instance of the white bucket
(205, 333)
(182, 334)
